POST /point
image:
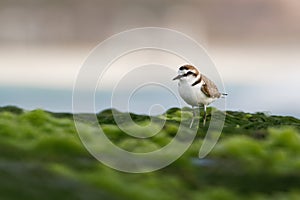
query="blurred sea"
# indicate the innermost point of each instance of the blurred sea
(240, 98)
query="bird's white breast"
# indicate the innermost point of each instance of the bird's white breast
(193, 95)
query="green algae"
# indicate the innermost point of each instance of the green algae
(42, 157)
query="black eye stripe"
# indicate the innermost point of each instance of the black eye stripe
(183, 68)
(190, 73)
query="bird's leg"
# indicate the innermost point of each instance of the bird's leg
(204, 116)
(194, 115)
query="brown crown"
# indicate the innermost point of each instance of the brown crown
(189, 67)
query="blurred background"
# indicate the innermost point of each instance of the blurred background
(255, 45)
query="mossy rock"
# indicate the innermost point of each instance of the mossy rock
(257, 157)
(11, 109)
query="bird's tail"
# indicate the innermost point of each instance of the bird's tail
(223, 95)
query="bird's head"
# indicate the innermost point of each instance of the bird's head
(187, 72)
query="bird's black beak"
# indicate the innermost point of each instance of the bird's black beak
(177, 77)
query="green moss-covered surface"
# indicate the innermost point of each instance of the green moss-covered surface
(257, 157)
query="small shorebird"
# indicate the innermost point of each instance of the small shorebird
(196, 89)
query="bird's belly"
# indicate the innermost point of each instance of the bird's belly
(193, 95)
(189, 95)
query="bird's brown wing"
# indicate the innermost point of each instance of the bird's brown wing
(209, 88)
